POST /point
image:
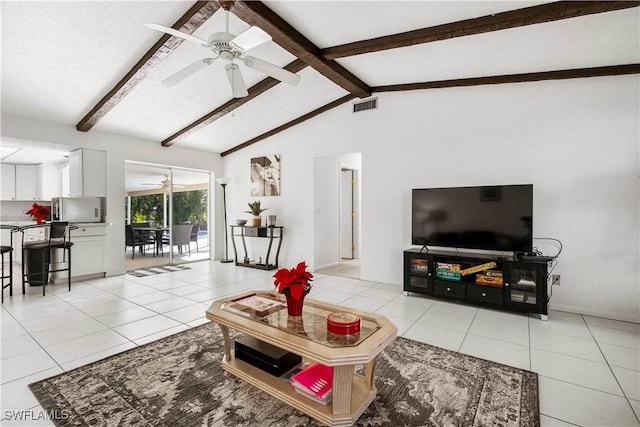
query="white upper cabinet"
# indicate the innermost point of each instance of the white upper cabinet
(88, 173)
(28, 182)
(21, 182)
(8, 182)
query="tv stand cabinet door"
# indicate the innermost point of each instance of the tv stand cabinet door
(525, 286)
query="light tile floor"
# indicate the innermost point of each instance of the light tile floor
(588, 367)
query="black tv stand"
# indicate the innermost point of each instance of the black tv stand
(540, 258)
(499, 282)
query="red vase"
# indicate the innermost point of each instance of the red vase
(294, 308)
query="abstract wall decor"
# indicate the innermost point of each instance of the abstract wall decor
(265, 176)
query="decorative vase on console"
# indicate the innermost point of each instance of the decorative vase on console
(294, 285)
(255, 210)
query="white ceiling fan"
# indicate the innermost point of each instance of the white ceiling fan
(164, 184)
(229, 48)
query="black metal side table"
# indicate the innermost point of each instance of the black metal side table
(271, 232)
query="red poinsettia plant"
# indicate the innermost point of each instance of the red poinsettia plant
(294, 282)
(39, 212)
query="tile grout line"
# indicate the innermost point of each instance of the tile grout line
(95, 332)
(585, 387)
(561, 420)
(611, 369)
(39, 345)
(530, 355)
(466, 334)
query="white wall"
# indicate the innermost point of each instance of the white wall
(575, 140)
(326, 224)
(119, 148)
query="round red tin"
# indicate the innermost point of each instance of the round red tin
(343, 323)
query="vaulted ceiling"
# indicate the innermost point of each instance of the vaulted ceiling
(93, 65)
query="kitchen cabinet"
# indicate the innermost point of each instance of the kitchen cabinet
(87, 253)
(21, 182)
(87, 173)
(28, 182)
(8, 182)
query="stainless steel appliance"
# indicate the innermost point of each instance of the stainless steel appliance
(78, 209)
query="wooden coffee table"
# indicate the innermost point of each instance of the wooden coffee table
(308, 337)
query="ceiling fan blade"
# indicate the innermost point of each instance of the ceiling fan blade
(174, 32)
(236, 81)
(272, 70)
(187, 71)
(251, 38)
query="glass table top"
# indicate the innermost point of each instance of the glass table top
(271, 310)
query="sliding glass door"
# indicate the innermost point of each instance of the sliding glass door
(168, 207)
(189, 215)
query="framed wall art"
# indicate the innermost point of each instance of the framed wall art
(265, 176)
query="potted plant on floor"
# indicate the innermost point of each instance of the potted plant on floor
(255, 210)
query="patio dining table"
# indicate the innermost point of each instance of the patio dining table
(158, 235)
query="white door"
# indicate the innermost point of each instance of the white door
(346, 214)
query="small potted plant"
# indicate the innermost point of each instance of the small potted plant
(255, 211)
(39, 212)
(294, 284)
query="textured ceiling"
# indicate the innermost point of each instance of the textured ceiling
(60, 58)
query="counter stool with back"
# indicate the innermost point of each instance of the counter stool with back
(59, 239)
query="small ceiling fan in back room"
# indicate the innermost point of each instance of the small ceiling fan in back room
(164, 184)
(229, 48)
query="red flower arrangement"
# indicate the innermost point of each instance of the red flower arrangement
(294, 282)
(39, 212)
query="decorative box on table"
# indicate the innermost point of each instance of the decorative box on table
(343, 323)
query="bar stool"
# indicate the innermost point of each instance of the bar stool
(58, 239)
(7, 250)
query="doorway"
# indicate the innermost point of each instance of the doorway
(349, 223)
(172, 204)
(337, 215)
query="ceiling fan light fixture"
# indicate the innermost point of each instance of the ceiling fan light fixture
(230, 47)
(186, 72)
(250, 38)
(236, 81)
(176, 33)
(271, 70)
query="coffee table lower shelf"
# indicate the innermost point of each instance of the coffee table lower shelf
(361, 395)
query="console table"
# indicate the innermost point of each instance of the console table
(271, 233)
(307, 336)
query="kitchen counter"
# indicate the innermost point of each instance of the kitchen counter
(27, 223)
(88, 246)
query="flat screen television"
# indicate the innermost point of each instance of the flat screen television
(498, 218)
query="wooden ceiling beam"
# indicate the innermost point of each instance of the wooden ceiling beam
(258, 14)
(188, 23)
(500, 21)
(254, 91)
(290, 124)
(579, 73)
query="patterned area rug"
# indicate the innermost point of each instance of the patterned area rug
(178, 381)
(151, 271)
